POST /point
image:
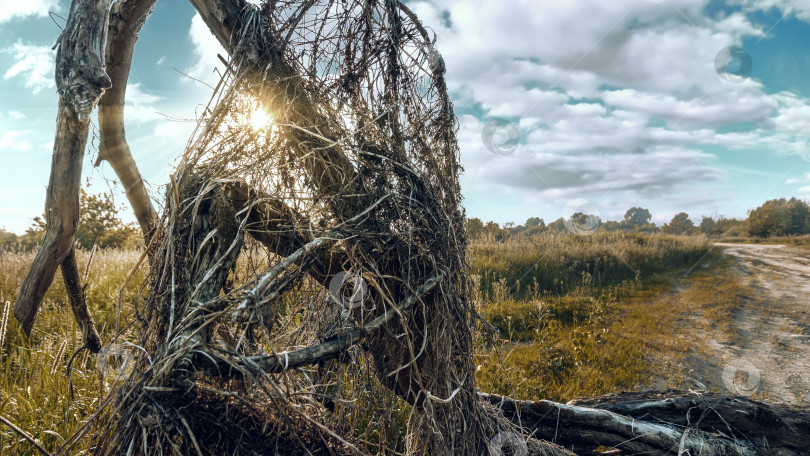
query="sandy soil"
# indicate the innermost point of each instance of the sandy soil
(770, 358)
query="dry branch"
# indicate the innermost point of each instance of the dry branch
(80, 80)
(78, 302)
(126, 19)
(330, 349)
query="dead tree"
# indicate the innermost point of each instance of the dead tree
(245, 348)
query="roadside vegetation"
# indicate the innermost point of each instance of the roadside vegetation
(595, 331)
(568, 315)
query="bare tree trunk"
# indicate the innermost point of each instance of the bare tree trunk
(80, 80)
(126, 19)
(61, 214)
(78, 302)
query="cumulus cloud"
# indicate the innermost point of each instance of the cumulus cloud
(12, 9)
(34, 64)
(14, 140)
(206, 48)
(140, 105)
(615, 99)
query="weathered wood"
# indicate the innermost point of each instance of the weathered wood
(126, 19)
(281, 229)
(669, 422)
(331, 348)
(78, 302)
(312, 140)
(408, 359)
(780, 427)
(61, 214)
(80, 75)
(80, 80)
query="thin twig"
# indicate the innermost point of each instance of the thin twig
(24, 435)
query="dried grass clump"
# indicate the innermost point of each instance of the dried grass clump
(356, 175)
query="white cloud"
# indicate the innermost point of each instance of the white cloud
(16, 115)
(140, 106)
(12, 140)
(616, 100)
(10, 9)
(798, 8)
(35, 64)
(206, 48)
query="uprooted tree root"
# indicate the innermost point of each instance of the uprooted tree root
(307, 291)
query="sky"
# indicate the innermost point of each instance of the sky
(563, 105)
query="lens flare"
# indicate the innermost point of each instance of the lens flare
(260, 119)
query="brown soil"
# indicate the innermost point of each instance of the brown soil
(769, 357)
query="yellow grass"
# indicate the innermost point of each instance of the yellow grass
(33, 384)
(576, 316)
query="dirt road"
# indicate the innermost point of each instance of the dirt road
(771, 355)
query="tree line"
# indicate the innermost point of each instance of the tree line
(99, 225)
(776, 217)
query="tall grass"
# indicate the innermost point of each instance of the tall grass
(559, 263)
(571, 312)
(559, 304)
(33, 382)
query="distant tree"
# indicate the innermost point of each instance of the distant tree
(798, 217)
(33, 235)
(730, 227)
(637, 216)
(535, 230)
(535, 221)
(680, 224)
(779, 217)
(7, 239)
(707, 226)
(557, 225)
(475, 228)
(585, 222)
(648, 228)
(611, 225)
(98, 225)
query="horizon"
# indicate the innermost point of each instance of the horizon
(675, 106)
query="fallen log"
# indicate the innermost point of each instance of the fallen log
(668, 422)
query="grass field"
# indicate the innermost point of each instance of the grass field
(33, 384)
(574, 317)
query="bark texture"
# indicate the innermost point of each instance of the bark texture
(126, 19)
(80, 81)
(667, 422)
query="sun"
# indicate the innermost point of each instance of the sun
(260, 119)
